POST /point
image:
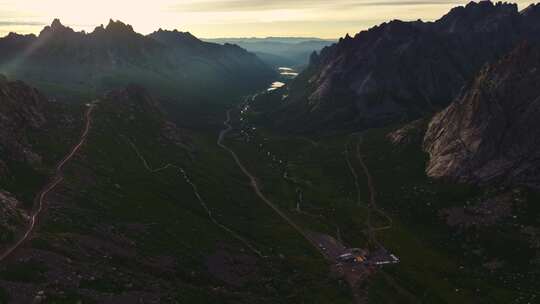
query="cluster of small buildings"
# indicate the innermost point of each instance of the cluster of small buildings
(361, 256)
(355, 255)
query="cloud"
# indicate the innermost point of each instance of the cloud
(21, 23)
(261, 5)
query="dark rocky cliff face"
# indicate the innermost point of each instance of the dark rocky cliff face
(491, 133)
(402, 70)
(23, 112)
(22, 109)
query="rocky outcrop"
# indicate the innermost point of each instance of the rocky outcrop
(22, 109)
(409, 134)
(491, 133)
(12, 216)
(399, 71)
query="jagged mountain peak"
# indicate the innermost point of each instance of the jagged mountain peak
(57, 24)
(484, 7)
(92, 61)
(399, 28)
(114, 27)
(401, 70)
(531, 9)
(173, 34)
(56, 28)
(14, 37)
(119, 27)
(480, 16)
(532, 15)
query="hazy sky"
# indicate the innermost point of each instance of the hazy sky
(223, 18)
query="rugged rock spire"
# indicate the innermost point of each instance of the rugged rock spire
(119, 27)
(400, 71)
(56, 29)
(491, 132)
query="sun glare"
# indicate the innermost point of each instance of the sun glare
(221, 18)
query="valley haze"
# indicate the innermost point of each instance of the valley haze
(396, 164)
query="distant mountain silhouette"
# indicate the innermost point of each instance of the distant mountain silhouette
(400, 70)
(280, 51)
(67, 63)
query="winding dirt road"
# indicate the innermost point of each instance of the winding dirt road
(57, 178)
(372, 194)
(355, 176)
(257, 190)
(324, 244)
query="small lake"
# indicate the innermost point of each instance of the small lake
(276, 85)
(286, 73)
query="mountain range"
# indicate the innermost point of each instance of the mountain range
(169, 63)
(280, 51)
(489, 134)
(412, 145)
(399, 71)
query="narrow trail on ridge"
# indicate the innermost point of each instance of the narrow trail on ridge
(197, 194)
(55, 180)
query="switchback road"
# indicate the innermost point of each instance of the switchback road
(57, 178)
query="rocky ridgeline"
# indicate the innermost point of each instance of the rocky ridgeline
(113, 56)
(491, 133)
(399, 71)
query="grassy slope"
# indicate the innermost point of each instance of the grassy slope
(437, 264)
(107, 187)
(454, 271)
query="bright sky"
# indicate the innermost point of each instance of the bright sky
(223, 18)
